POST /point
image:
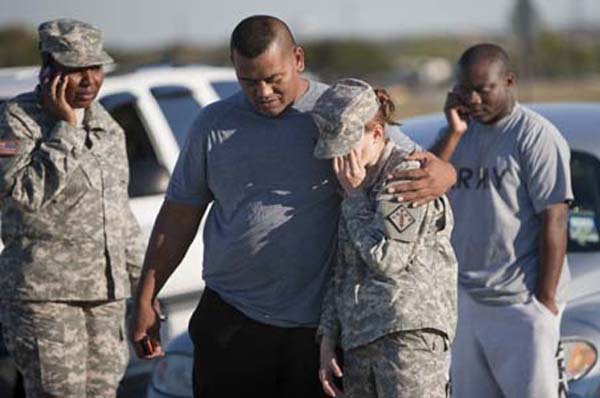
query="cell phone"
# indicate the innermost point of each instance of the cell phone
(456, 93)
(146, 344)
(49, 72)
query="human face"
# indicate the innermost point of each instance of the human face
(371, 144)
(271, 81)
(486, 90)
(83, 84)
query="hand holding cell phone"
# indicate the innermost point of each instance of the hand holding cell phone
(146, 346)
(457, 112)
(54, 94)
(144, 331)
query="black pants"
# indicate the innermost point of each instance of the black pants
(237, 357)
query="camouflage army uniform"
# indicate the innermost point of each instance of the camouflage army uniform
(392, 299)
(72, 249)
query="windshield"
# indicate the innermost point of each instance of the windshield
(179, 107)
(584, 216)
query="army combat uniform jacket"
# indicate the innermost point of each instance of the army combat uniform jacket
(67, 228)
(395, 269)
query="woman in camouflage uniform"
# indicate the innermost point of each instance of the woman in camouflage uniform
(391, 303)
(72, 247)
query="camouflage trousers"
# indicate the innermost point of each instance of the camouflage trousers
(411, 364)
(67, 349)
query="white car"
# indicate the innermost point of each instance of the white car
(155, 106)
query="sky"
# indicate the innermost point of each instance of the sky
(151, 23)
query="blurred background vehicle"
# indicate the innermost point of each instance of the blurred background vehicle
(172, 374)
(580, 330)
(155, 106)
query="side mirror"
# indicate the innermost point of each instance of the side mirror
(147, 177)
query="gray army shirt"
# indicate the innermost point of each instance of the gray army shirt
(386, 283)
(509, 172)
(67, 228)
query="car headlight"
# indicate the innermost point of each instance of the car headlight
(173, 375)
(580, 357)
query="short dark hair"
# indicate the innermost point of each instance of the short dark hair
(253, 35)
(485, 52)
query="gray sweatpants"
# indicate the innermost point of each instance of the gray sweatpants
(505, 351)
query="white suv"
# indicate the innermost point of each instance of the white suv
(155, 106)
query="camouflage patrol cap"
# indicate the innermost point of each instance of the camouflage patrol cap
(73, 43)
(341, 114)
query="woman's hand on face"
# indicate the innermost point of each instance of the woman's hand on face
(54, 99)
(350, 171)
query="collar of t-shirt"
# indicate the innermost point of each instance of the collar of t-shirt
(503, 122)
(303, 104)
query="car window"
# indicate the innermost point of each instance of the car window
(225, 88)
(584, 216)
(179, 107)
(146, 175)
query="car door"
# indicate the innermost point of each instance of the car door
(149, 180)
(584, 215)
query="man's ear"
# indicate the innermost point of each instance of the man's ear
(511, 79)
(298, 54)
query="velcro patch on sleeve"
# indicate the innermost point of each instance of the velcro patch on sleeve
(400, 220)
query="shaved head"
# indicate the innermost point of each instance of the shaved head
(485, 53)
(268, 64)
(255, 34)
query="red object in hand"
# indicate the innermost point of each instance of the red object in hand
(146, 345)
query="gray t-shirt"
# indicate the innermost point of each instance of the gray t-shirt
(508, 173)
(270, 233)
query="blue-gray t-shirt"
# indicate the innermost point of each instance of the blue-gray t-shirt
(508, 173)
(270, 233)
